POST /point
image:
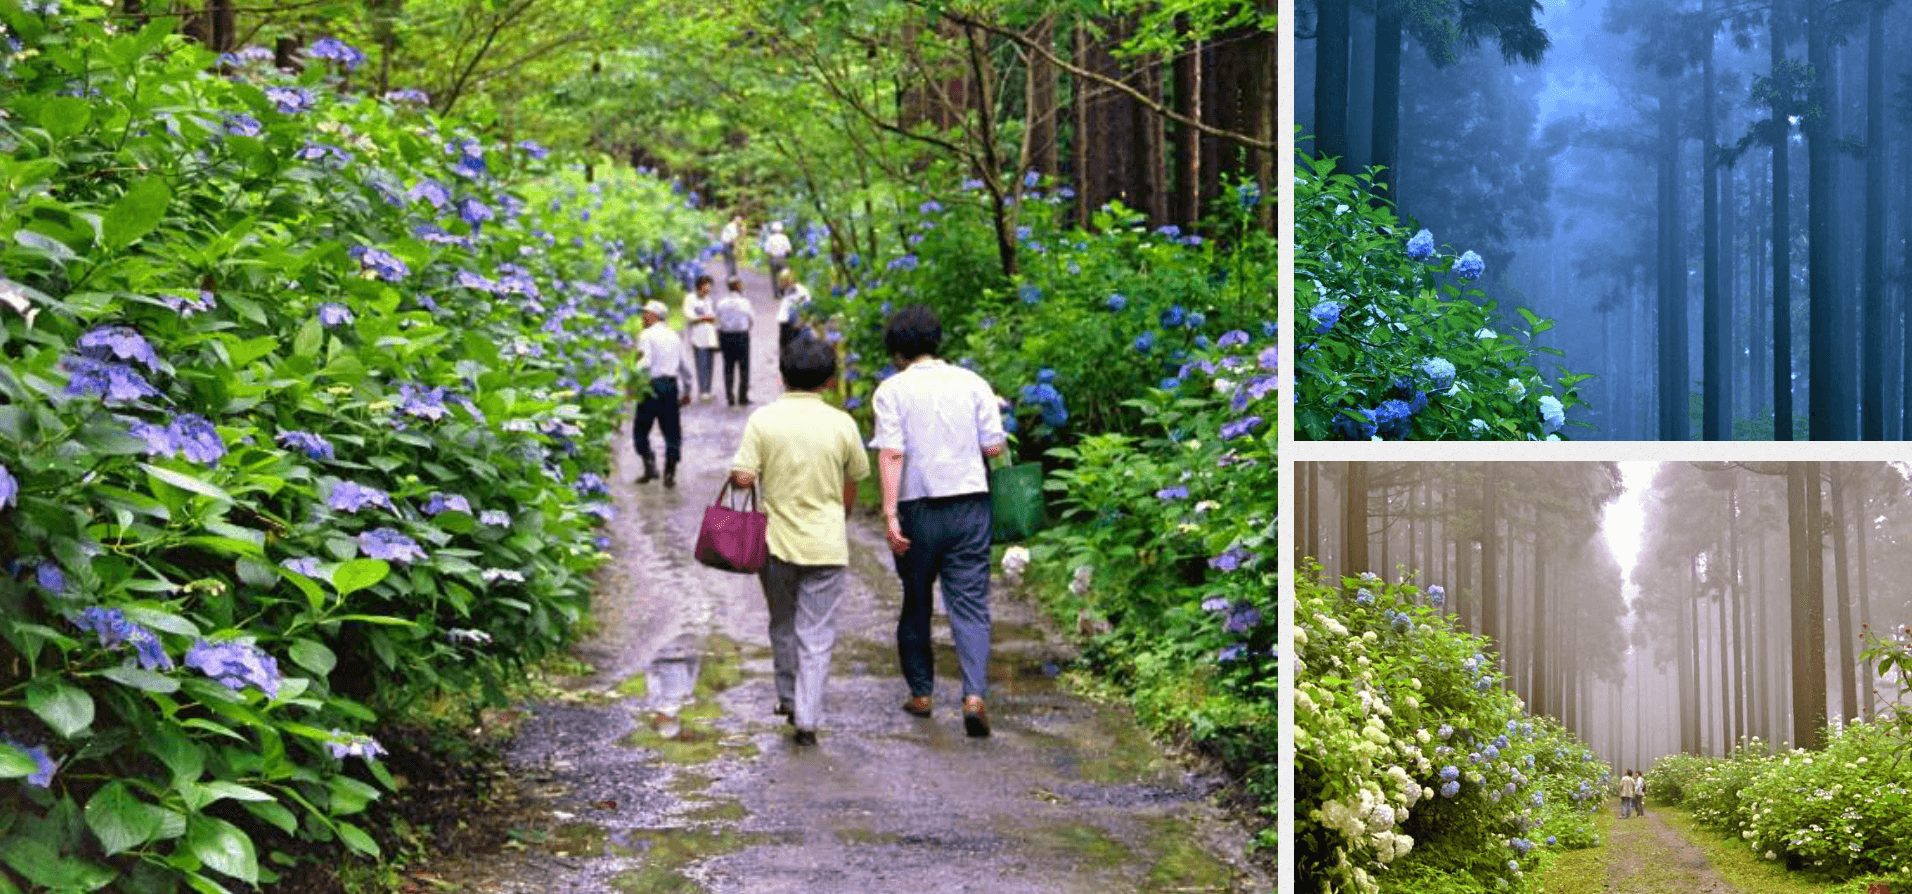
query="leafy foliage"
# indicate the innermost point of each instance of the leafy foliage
(303, 410)
(1413, 760)
(1391, 339)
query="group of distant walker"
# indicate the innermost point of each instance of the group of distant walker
(1632, 794)
(936, 426)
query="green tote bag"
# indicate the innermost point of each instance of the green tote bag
(1015, 501)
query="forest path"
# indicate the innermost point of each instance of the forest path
(1644, 855)
(666, 771)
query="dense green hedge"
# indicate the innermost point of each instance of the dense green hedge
(1416, 768)
(304, 407)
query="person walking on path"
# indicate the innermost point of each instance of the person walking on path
(729, 236)
(792, 298)
(735, 317)
(776, 247)
(805, 457)
(1639, 794)
(700, 325)
(935, 424)
(1626, 794)
(664, 356)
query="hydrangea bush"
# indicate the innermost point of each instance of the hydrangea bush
(1395, 341)
(1412, 758)
(304, 400)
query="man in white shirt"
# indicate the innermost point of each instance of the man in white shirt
(935, 424)
(735, 318)
(665, 358)
(729, 236)
(700, 327)
(1626, 794)
(776, 247)
(792, 298)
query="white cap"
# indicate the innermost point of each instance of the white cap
(657, 309)
(776, 226)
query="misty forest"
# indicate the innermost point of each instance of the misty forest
(1621, 168)
(1487, 650)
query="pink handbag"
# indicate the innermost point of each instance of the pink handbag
(733, 539)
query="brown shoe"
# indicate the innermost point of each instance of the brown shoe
(918, 705)
(805, 737)
(975, 718)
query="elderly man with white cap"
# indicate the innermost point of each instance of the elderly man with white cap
(667, 360)
(776, 247)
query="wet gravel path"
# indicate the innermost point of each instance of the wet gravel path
(665, 770)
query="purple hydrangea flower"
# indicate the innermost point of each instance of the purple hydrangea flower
(1437, 595)
(390, 545)
(431, 192)
(534, 149)
(243, 126)
(290, 100)
(332, 313)
(313, 446)
(50, 577)
(1269, 359)
(1240, 428)
(1230, 653)
(424, 403)
(320, 152)
(305, 565)
(474, 212)
(158, 439)
(9, 488)
(408, 96)
(187, 305)
(346, 745)
(236, 665)
(1232, 338)
(1172, 493)
(1450, 789)
(495, 518)
(438, 504)
(197, 439)
(336, 50)
(42, 777)
(121, 343)
(381, 264)
(1231, 559)
(350, 496)
(114, 382)
(1242, 619)
(470, 163)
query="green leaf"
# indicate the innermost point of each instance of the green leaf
(141, 679)
(119, 819)
(136, 213)
(313, 656)
(15, 763)
(357, 574)
(66, 709)
(223, 848)
(186, 482)
(310, 337)
(356, 839)
(64, 116)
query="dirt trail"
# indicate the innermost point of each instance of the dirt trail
(666, 771)
(1647, 856)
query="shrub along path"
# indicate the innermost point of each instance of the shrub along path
(665, 770)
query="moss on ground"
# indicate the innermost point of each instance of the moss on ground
(666, 853)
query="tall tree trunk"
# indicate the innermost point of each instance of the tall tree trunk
(1539, 700)
(1782, 232)
(1354, 518)
(1039, 102)
(1331, 78)
(1688, 638)
(1848, 697)
(1808, 618)
(1863, 686)
(1490, 556)
(1675, 378)
(1148, 182)
(1188, 140)
(1386, 136)
(1873, 398)
(1831, 411)
(1716, 395)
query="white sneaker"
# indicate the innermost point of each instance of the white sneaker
(708, 397)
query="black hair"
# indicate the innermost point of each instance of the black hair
(703, 279)
(735, 284)
(913, 332)
(807, 363)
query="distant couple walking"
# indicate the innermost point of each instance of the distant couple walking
(935, 424)
(1632, 794)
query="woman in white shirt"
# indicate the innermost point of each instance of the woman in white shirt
(700, 329)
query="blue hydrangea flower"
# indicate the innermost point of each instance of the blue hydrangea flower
(390, 545)
(346, 745)
(905, 263)
(431, 192)
(197, 439)
(929, 206)
(535, 150)
(336, 50)
(1552, 414)
(1421, 247)
(1168, 494)
(1030, 294)
(305, 565)
(313, 446)
(243, 126)
(1470, 266)
(1394, 420)
(1117, 302)
(1437, 595)
(1231, 559)
(470, 161)
(324, 152)
(113, 382)
(494, 517)
(331, 313)
(236, 665)
(122, 343)
(1450, 789)
(1145, 342)
(1439, 371)
(474, 212)
(1197, 320)
(42, 777)
(1242, 619)
(1174, 317)
(1215, 604)
(1234, 652)
(424, 403)
(381, 264)
(350, 496)
(1363, 597)
(9, 488)
(1354, 424)
(1325, 315)
(408, 96)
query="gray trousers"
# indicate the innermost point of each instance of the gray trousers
(803, 601)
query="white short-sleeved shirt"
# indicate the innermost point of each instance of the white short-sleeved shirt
(794, 298)
(702, 335)
(735, 313)
(663, 352)
(777, 246)
(729, 234)
(941, 417)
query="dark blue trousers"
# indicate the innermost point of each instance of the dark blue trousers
(949, 541)
(660, 407)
